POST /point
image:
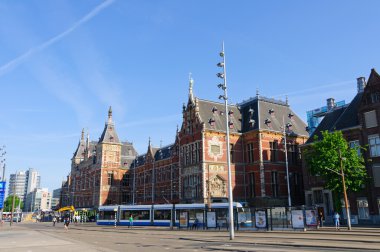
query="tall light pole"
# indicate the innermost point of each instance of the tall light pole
(225, 98)
(344, 191)
(341, 159)
(2, 162)
(286, 161)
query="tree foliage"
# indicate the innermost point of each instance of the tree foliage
(8, 203)
(323, 158)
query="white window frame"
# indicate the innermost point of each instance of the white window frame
(374, 147)
(353, 144)
(363, 209)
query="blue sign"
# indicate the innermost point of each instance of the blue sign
(2, 193)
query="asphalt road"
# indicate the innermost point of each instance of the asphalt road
(33, 237)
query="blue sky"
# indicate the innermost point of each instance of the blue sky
(63, 63)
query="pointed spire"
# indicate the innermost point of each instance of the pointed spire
(286, 100)
(82, 136)
(110, 115)
(191, 83)
(149, 143)
(257, 92)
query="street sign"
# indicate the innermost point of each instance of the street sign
(2, 193)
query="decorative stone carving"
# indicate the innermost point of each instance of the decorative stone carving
(217, 187)
(215, 148)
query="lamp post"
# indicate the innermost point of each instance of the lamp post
(224, 97)
(344, 191)
(2, 162)
(284, 127)
(341, 159)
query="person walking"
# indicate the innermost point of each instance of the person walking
(320, 218)
(131, 221)
(66, 223)
(337, 221)
(54, 221)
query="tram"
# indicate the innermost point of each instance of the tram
(161, 214)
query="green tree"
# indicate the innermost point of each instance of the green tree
(8, 203)
(324, 158)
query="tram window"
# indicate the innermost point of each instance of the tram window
(137, 214)
(162, 214)
(106, 215)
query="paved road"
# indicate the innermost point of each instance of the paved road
(33, 237)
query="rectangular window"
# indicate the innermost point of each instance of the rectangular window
(370, 119)
(125, 181)
(318, 197)
(374, 145)
(275, 184)
(252, 185)
(292, 154)
(250, 153)
(355, 144)
(273, 151)
(110, 179)
(376, 174)
(232, 153)
(363, 210)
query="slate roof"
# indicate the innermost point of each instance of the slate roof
(261, 113)
(79, 152)
(128, 154)
(209, 110)
(339, 119)
(164, 152)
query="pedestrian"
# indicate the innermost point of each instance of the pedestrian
(54, 221)
(131, 221)
(337, 221)
(195, 224)
(66, 223)
(320, 218)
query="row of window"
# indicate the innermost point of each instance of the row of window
(190, 154)
(292, 151)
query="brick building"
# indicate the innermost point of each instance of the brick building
(360, 125)
(194, 168)
(99, 170)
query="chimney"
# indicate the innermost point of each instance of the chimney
(361, 84)
(330, 104)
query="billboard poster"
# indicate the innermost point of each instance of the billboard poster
(183, 219)
(261, 219)
(211, 220)
(297, 219)
(2, 193)
(311, 217)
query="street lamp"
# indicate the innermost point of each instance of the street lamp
(341, 159)
(223, 86)
(284, 128)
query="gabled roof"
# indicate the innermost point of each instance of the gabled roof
(209, 110)
(109, 134)
(374, 78)
(339, 119)
(261, 113)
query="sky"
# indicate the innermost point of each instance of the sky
(64, 62)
